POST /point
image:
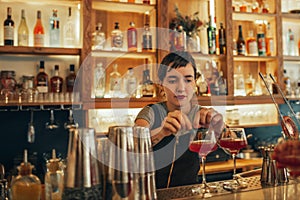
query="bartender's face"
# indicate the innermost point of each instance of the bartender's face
(178, 85)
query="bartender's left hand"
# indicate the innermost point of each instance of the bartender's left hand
(209, 118)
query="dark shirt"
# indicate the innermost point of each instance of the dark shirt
(186, 165)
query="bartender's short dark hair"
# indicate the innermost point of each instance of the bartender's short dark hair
(175, 60)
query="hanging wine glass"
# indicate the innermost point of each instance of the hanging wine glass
(52, 124)
(31, 129)
(71, 124)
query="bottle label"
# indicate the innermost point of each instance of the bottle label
(8, 33)
(132, 38)
(147, 42)
(115, 84)
(252, 48)
(241, 49)
(23, 39)
(261, 42)
(211, 36)
(117, 41)
(131, 86)
(38, 39)
(42, 89)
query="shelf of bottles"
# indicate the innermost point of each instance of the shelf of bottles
(291, 43)
(36, 25)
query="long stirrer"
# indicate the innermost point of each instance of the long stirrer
(285, 99)
(273, 99)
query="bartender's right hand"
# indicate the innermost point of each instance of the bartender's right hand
(174, 122)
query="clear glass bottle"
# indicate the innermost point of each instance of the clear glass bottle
(130, 83)
(56, 81)
(270, 49)
(70, 79)
(202, 87)
(42, 80)
(115, 82)
(132, 37)
(100, 81)
(98, 38)
(239, 83)
(54, 178)
(251, 44)
(26, 186)
(69, 31)
(54, 30)
(222, 82)
(9, 28)
(180, 39)
(287, 84)
(38, 31)
(291, 43)
(117, 38)
(23, 33)
(148, 89)
(249, 85)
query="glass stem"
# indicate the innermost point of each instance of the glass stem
(203, 159)
(234, 165)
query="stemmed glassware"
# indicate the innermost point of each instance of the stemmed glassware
(203, 142)
(71, 122)
(52, 124)
(232, 140)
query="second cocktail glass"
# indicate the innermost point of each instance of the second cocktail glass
(232, 140)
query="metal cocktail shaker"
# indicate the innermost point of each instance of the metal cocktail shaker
(82, 172)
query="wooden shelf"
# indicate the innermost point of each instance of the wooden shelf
(240, 16)
(291, 58)
(16, 106)
(291, 17)
(200, 56)
(255, 58)
(118, 102)
(49, 2)
(122, 54)
(121, 6)
(39, 50)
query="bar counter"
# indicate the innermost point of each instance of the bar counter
(254, 191)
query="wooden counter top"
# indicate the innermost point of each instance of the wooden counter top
(227, 166)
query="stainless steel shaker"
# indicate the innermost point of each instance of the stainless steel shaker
(82, 173)
(146, 170)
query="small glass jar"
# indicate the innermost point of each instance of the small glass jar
(8, 80)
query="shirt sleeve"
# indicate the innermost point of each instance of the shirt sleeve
(147, 114)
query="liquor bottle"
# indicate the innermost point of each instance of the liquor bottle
(38, 31)
(28, 183)
(54, 30)
(211, 37)
(146, 2)
(42, 79)
(148, 86)
(251, 44)
(54, 178)
(23, 34)
(249, 85)
(115, 82)
(98, 38)
(70, 79)
(291, 43)
(222, 39)
(117, 38)
(265, 7)
(239, 83)
(56, 82)
(69, 32)
(180, 39)
(222, 82)
(9, 26)
(172, 36)
(240, 43)
(269, 41)
(254, 6)
(261, 41)
(100, 81)
(147, 38)
(130, 83)
(132, 37)
(287, 83)
(202, 87)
